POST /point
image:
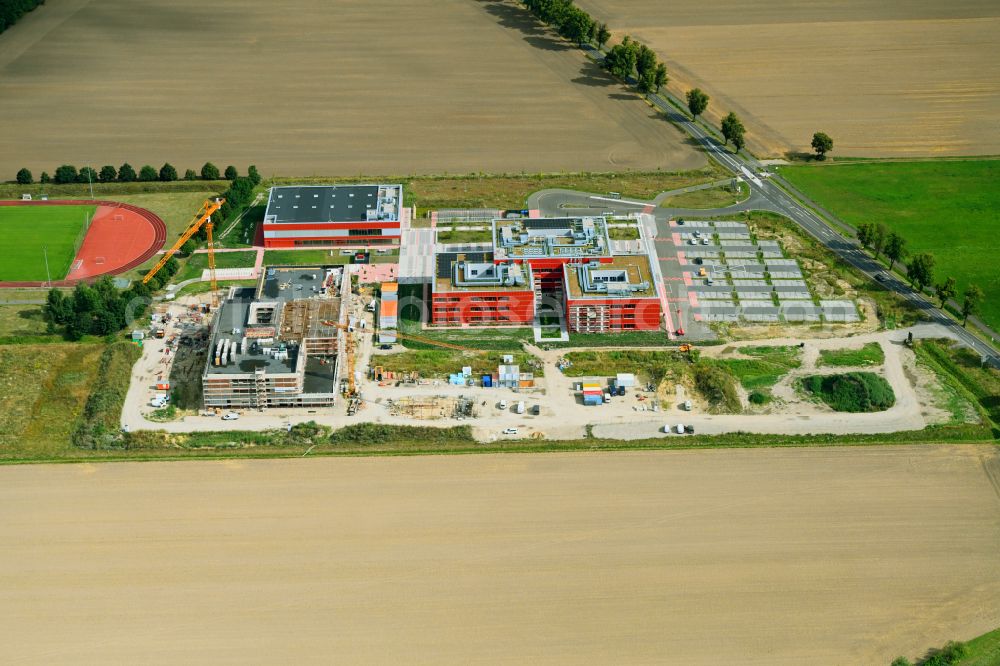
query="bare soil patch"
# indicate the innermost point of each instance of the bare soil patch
(882, 78)
(313, 87)
(776, 557)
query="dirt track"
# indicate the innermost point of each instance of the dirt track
(882, 78)
(311, 87)
(818, 556)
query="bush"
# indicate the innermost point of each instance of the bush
(10, 12)
(65, 174)
(231, 172)
(190, 175)
(189, 246)
(44, 180)
(98, 425)
(148, 174)
(168, 172)
(759, 397)
(378, 433)
(209, 172)
(852, 392)
(126, 174)
(253, 175)
(950, 654)
(24, 177)
(87, 175)
(108, 174)
(717, 387)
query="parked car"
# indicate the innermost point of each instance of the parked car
(687, 405)
(689, 429)
(680, 428)
(230, 416)
(510, 431)
(503, 404)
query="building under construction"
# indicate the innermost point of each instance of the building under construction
(276, 345)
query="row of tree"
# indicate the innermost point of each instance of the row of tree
(101, 308)
(632, 59)
(878, 238)
(126, 173)
(571, 21)
(628, 60)
(12, 10)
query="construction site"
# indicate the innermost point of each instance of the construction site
(278, 345)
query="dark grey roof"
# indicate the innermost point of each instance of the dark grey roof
(326, 203)
(445, 259)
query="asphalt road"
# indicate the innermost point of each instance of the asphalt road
(773, 198)
(765, 195)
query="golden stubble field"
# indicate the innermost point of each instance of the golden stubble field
(309, 87)
(892, 78)
(767, 556)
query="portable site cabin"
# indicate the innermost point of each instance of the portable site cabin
(626, 379)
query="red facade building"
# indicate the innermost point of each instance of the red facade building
(318, 215)
(559, 267)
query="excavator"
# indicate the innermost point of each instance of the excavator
(203, 218)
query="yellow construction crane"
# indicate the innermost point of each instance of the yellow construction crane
(204, 217)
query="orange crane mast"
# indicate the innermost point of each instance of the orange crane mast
(204, 217)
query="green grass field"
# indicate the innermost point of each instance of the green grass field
(765, 369)
(870, 354)
(29, 232)
(196, 263)
(43, 388)
(304, 257)
(946, 208)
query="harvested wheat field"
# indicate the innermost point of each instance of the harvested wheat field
(882, 78)
(313, 87)
(782, 556)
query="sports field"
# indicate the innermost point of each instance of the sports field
(946, 208)
(316, 87)
(28, 233)
(882, 78)
(776, 557)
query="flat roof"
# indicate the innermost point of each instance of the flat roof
(232, 315)
(551, 237)
(286, 283)
(444, 277)
(300, 302)
(315, 204)
(635, 266)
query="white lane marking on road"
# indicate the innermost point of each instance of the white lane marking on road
(624, 201)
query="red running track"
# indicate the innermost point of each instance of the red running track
(121, 237)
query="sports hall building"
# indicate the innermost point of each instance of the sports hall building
(323, 215)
